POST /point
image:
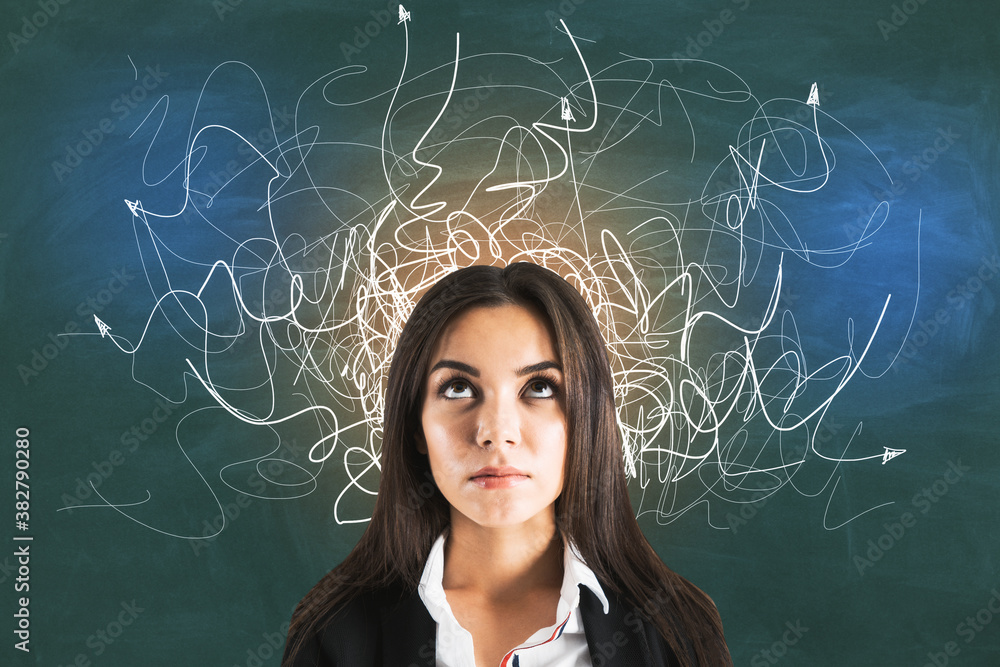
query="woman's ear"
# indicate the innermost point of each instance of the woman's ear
(421, 442)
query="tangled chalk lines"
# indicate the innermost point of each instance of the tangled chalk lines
(312, 256)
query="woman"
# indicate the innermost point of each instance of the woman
(502, 533)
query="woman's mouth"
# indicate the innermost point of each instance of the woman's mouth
(503, 477)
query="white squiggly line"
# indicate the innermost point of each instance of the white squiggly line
(323, 310)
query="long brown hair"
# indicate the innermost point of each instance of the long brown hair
(593, 510)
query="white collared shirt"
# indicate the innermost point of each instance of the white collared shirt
(563, 644)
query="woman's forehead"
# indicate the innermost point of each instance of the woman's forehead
(493, 334)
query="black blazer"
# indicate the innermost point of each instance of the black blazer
(382, 629)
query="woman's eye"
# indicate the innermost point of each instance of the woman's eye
(539, 389)
(457, 389)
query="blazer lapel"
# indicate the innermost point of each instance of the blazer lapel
(408, 633)
(615, 639)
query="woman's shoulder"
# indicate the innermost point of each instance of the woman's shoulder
(341, 635)
(624, 634)
(636, 627)
(372, 627)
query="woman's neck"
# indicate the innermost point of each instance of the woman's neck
(503, 562)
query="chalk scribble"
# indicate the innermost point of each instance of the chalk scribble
(285, 258)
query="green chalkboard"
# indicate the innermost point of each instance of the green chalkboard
(217, 214)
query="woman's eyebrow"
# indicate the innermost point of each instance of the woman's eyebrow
(540, 366)
(456, 365)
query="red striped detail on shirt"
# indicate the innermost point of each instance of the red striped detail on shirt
(555, 635)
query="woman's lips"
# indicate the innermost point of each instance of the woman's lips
(503, 477)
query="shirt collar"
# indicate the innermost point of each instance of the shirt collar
(575, 574)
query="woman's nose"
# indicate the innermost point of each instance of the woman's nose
(499, 422)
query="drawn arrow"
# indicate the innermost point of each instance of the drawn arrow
(567, 112)
(813, 96)
(101, 326)
(890, 454)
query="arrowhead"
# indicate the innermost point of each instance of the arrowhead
(101, 326)
(813, 96)
(890, 454)
(567, 111)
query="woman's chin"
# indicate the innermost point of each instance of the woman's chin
(509, 516)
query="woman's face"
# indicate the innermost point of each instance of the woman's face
(493, 417)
